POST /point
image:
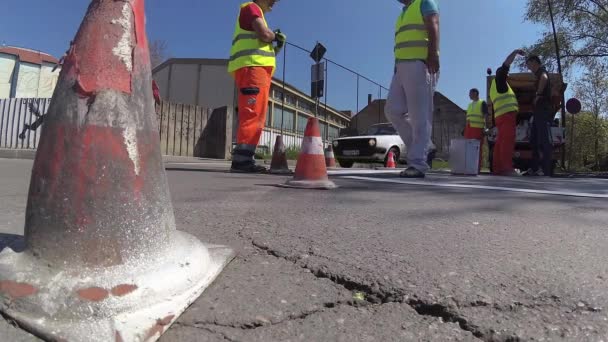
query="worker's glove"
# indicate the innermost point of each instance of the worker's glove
(280, 38)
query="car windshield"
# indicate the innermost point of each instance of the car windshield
(381, 130)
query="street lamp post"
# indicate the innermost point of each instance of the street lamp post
(559, 70)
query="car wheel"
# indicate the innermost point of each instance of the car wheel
(346, 163)
(396, 153)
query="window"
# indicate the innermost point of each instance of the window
(305, 106)
(290, 100)
(333, 132)
(302, 122)
(278, 94)
(269, 114)
(286, 116)
(323, 127)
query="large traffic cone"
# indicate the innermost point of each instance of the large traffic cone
(311, 172)
(279, 158)
(330, 159)
(390, 160)
(104, 261)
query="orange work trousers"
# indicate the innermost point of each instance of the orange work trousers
(505, 144)
(253, 86)
(477, 134)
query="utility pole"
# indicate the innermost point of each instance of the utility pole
(560, 71)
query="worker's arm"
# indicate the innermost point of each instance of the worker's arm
(542, 84)
(263, 32)
(432, 26)
(512, 56)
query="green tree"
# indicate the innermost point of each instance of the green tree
(587, 129)
(582, 27)
(592, 90)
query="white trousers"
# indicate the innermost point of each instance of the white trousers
(409, 108)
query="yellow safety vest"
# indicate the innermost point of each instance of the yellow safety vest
(411, 36)
(474, 115)
(247, 50)
(503, 103)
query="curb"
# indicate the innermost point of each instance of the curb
(17, 153)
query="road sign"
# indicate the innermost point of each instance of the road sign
(318, 52)
(317, 80)
(573, 106)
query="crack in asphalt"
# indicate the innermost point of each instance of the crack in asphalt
(257, 324)
(374, 295)
(201, 327)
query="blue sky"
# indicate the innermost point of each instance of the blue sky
(476, 34)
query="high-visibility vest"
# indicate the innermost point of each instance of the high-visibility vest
(475, 115)
(247, 50)
(411, 36)
(503, 103)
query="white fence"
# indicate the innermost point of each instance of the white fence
(15, 114)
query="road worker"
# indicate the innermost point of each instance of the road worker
(506, 107)
(252, 63)
(409, 106)
(477, 120)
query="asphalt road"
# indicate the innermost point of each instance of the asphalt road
(444, 259)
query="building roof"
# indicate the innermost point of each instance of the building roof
(224, 62)
(28, 55)
(204, 61)
(382, 102)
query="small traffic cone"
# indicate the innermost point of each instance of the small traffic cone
(330, 159)
(390, 161)
(103, 259)
(311, 172)
(279, 165)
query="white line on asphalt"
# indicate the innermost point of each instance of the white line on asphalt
(481, 187)
(171, 164)
(362, 172)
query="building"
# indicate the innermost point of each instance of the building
(26, 73)
(448, 123)
(206, 83)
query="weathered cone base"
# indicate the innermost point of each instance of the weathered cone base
(130, 302)
(308, 184)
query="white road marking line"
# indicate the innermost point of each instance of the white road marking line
(362, 172)
(481, 187)
(171, 164)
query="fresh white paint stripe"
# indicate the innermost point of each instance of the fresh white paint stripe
(171, 164)
(361, 172)
(481, 187)
(313, 145)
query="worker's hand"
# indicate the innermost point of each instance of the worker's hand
(432, 63)
(520, 52)
(280, 37)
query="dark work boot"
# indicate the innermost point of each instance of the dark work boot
(247, 167)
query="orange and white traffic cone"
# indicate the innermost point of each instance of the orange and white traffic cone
(103, 259)
(279, 164)
(311, 172)
(330, 159)
(390, 161)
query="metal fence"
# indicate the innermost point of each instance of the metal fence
(345, 89)
(16, 115)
